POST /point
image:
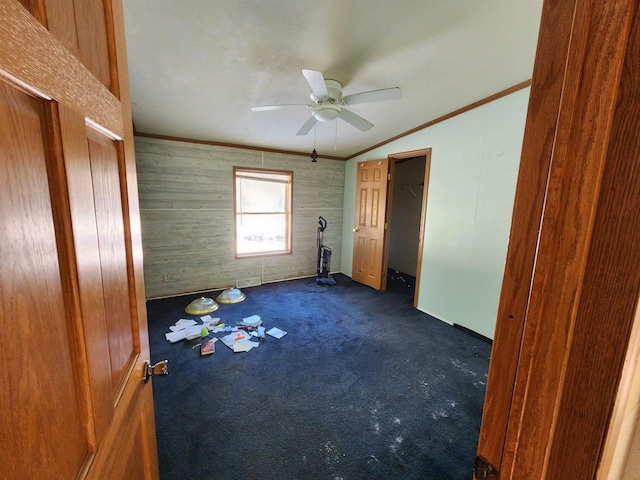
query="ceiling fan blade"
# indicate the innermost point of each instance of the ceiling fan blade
(355, 120)
(278, 107)
(373, 96)
(308, 125)
(315, 80)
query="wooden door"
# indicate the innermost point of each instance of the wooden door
(72, 308)
(369, 229)
(572, 277)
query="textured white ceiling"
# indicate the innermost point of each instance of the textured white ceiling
(197, 67)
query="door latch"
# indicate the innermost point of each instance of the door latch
(160, 368)
(484, 470)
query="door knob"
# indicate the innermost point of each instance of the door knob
(356, 229)
(160, 368)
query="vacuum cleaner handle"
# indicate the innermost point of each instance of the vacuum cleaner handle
(323, 224)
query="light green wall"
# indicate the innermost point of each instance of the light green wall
(474, 165)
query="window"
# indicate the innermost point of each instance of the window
(262, 205)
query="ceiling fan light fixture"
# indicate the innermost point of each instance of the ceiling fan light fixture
(326, 113)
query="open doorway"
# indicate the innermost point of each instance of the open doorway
(407, 201)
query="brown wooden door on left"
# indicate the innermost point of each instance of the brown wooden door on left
(73, 322)
(369, 230)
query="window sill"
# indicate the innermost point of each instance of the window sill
(240, 256)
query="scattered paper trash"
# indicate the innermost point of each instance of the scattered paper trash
(238, 338)
(209, 322)
(239, 341)
(234, 337)
(258, 333)
(210, 319)
(218, 328)
(276, 333)
(176, 336)
(195, 331)
(252, 321)
(179, 330)
(182, 324)
(244, 346)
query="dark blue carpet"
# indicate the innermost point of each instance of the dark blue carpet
(363, 386)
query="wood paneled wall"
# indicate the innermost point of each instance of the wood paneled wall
(186, 201)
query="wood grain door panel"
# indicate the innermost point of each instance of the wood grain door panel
(131, 444)
(113, 259)
(369, 231)
(41, 416)
(81, 26)
(74, 151)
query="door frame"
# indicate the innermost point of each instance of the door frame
(564, 328)
(393, 158)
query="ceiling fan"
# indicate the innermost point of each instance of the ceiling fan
(328, 102)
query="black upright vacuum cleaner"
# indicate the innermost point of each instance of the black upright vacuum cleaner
(323, 277)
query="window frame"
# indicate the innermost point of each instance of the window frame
(237, 171)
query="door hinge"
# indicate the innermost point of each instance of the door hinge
(484, 470)
(386, 226)
(389, 176)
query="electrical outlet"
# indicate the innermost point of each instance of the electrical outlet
(165, 277)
